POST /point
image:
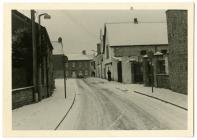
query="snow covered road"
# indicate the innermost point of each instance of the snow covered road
(101, 107)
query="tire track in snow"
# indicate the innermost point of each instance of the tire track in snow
(66, 113)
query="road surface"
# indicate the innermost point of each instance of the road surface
(98, 107)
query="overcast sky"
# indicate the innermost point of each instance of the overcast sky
(80, 29)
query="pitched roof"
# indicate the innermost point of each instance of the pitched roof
(143, 33)
(78, 57)
(57, 48)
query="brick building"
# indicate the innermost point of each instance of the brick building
(125, 44)
(58, 59)
(79, 66)
(24, 73)
(178, 57)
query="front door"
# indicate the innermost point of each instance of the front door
(74, 74)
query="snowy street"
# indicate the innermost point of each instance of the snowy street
(100, 106)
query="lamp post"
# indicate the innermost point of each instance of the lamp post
(150, 57)
(46, 16)
(65, 59)
(35, 95)
(158, 56)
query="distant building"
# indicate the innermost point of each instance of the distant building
(79, 66)
(58, 59)
(98, 59)
(178, 56)
(125, 44)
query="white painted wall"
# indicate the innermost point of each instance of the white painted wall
(126, 70)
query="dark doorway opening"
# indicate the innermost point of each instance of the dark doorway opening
(138, 72)
(119, 66)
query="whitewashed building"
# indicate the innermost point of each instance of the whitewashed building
(125, 43)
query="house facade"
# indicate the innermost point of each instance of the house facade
(32, 69)
(125, 44)
(58, 59)
(79, 66)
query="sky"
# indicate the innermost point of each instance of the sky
(80, 29)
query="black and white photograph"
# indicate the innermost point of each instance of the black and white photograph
(100, 69)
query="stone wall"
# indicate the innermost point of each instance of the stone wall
(135, 50)
(23, 96)
(177, 38)
(163, 81)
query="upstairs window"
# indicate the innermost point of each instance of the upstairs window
(73, 64)
(143, 52)
(79, 64)
(164, 51)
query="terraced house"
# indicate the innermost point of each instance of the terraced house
(32, 68)
(125, 45)
(79, 66)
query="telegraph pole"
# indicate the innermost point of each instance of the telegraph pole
(34, 56)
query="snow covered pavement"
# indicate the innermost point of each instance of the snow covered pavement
(103, 105)
(161, 93)
(45, 115)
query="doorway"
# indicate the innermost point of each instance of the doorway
(119, 67)
(137, 72)
(74, 74)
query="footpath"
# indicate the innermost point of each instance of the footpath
(48, 113)
(164, 95)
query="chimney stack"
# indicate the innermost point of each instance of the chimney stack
(135, 21)
(84, 52)
(99, 48)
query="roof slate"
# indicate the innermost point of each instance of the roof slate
(143, 33)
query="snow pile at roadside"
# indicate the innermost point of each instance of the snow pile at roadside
(45, 115)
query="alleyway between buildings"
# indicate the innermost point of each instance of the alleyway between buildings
(102, 105)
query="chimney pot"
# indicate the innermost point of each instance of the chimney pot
(135, 21)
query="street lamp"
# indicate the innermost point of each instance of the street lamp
(46, 16)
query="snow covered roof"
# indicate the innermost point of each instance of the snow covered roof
(57, 48)
(78, 57)
(158, 53)
(143, 33)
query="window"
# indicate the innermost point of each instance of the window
(107, 52)
(143, 52)
(80, 73)
(164, 51)
(73, 64)
(66, 65)
(86, 72)
(161, 67)
(79, 64)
